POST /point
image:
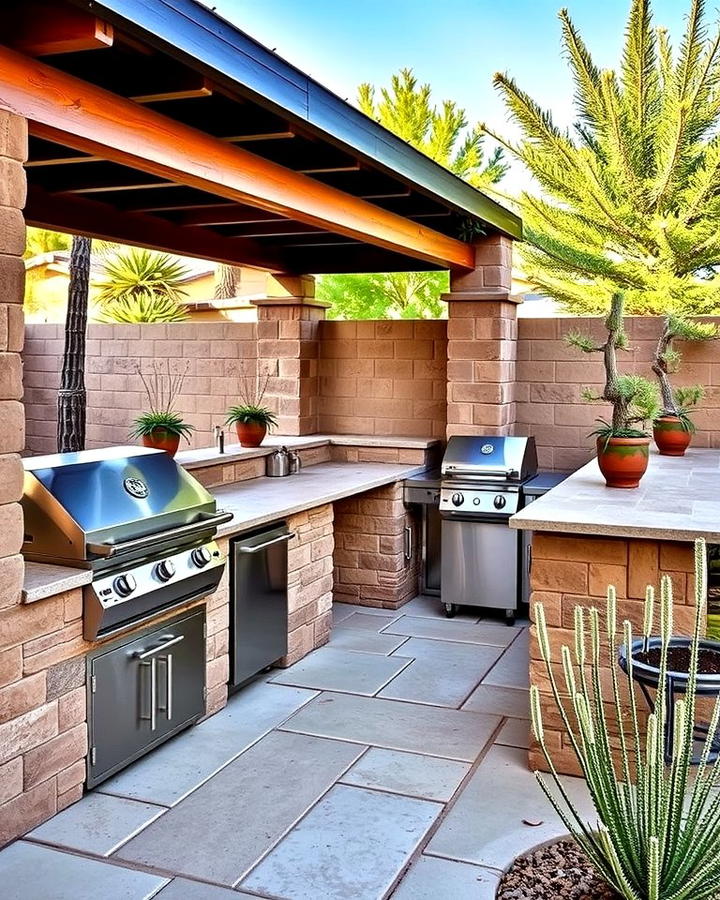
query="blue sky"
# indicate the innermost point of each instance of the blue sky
(456, 45)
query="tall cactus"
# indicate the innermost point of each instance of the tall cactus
(658, 834)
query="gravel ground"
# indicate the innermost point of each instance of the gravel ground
(559, 871)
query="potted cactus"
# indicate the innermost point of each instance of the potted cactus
(251, 419)
(673, 428)
(623, 443)
(161, 427)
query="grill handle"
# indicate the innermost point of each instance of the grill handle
(258, 547)
(458, 473)
(107, 549)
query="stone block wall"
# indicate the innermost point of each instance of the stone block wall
(310, 581)
(370, 545)
(551, 376)
(383, 377)
(218, 356)
(572, 570)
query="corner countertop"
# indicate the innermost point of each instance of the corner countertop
(678, 500)
(263, 500)
(43, 580)
(209, 456)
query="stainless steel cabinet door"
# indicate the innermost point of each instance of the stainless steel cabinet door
(479, 564)
(143, 691)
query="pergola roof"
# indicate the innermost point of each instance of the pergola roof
(156, 122)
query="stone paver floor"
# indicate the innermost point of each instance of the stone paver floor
(388, 764)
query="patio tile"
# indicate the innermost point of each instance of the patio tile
(513, 667)
(184, 889)
(442, 673)
(221, 830)
(171, 771)
(97, 824)
(373, 621)
(364, 610)
(487, 825)
(354, 843)
(515, 733)
(328, 669)
(501, 701)
(449, 733)
(407, 773)
(341, 611)
(431, 878)
(452, 630)
(431, 607)
(365, 641)
(31, 872)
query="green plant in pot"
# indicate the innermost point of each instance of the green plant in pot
(622, 443)
(673, 428)
(251, 419)
(161, 427)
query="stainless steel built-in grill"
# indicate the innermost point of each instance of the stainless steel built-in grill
(136, 518)
(481, 487)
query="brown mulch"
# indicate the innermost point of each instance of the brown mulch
(559, 871)
(679, 660)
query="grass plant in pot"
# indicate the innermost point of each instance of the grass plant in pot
(161, 427)
(622, 444)
(656, 834)
(251, 419)
(673, 428)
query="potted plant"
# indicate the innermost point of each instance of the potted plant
(622, 444)
(673, 428)
(161, 427)
(655, 833)
(251, 419)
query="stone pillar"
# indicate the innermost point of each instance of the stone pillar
(288, 325)
(482, 343)
(13, 152)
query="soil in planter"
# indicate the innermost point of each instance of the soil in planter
(679, 660)
(560, 871)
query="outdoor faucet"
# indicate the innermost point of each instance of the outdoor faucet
(219, 439)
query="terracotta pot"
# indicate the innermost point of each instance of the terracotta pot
(623, 461)
(161, 439)
(250, 434)
(670, 436)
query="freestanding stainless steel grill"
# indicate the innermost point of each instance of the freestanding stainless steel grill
(136, 518)
(481, 487)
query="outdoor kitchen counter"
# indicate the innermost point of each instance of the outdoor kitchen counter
(678, 500)
(262, 500)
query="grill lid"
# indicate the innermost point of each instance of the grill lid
(109, 496)
(490, 456)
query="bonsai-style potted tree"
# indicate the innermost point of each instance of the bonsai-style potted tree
(251, 419)
(161, 427)
(622, 444)
(673, 428)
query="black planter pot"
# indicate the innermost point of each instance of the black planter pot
(648, 677)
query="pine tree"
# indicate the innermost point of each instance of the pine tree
(630, 197)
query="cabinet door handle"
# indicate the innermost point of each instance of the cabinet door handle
(258, 547)
(408, 542)
(169, 686)
(170, 641)
(152, 665)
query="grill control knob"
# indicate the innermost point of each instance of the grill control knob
(124, 585)
(201, 556)
(165, 570)
(499, 501)
(457, 499)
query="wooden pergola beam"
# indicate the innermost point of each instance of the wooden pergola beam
(79, 215)
(196, 86)
(67, 110)
(225, 215)
(260, 136)
(47, 28)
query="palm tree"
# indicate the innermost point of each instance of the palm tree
(135, 272)
(630, 197)
(226, 282)
(72, 400)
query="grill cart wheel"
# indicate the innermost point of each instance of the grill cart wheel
(451, 610)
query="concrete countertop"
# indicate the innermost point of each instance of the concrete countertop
(678, 500)
(208, 456)
(43, 580)
(263, 500)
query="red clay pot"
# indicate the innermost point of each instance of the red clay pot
(623, 461)
(160, 439)
(670, 436)
(250, 434)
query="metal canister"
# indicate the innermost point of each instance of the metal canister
(277, 464)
